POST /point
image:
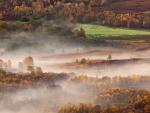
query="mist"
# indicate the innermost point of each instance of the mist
(44, 99)
(53, 51)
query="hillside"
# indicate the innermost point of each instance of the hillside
(118, 13)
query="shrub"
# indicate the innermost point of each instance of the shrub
(147, 108)
(83, 61)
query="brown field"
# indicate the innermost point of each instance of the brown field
(129, 6)
(135, 60)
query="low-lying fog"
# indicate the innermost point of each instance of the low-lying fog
(49, 52)
(52, 52)
(45, 99)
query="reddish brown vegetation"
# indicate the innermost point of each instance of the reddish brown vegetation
(130, 5)
(118, 101)
(13, 81)
(124, 13)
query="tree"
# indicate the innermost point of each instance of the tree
(147, 108)
(109, 57)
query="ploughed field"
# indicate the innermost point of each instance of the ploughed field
(129, 5)
(99, 61)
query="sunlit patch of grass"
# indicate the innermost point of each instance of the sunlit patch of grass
(99, 31)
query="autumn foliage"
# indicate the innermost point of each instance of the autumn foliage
(74, 11)
(137, 101)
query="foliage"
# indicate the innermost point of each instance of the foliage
(80, 108)
(16, 81)
(135, 103)
(73, 11)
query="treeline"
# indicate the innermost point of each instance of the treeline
(14, 81)
(130, 20)
(135, 81)
(74, 11)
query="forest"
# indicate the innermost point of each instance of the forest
(107, 95)
(85, 11)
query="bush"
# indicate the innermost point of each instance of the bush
(80, 32)
(147, 108)
(83, 61)
(3, 25)
(80, 108)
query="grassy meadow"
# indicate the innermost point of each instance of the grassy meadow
(100, 31)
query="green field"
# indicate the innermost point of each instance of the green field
(99, 31)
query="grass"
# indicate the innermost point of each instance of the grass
(99, 31)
